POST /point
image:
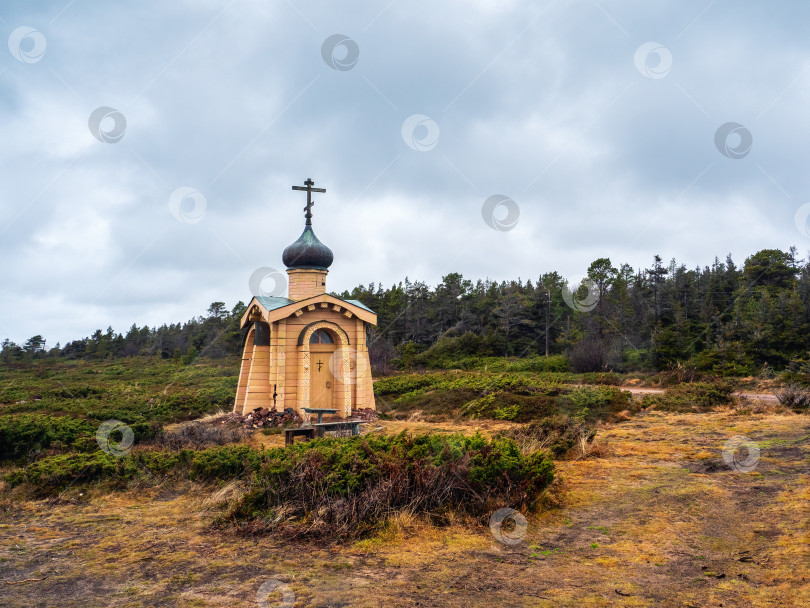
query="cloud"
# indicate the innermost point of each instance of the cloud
(542, 103)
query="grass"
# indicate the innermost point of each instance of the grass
(671, 524)
(664, 536)
(519, 397)
(139, 389)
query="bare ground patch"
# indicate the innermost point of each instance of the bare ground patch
(657, 523)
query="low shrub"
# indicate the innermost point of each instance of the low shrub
(518, 397)
(585, 402)
(691, 397)
(339, 487)
(588, 355)
(348, 487)
(595, 402)
(197, 436)
(398, 385)
(558, 434)
(794, 396)
(56, 473)
(223, 463)
(21, 433)
(517, 406)
(535, 363)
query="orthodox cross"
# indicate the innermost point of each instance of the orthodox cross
(319, 364)
(307, 187)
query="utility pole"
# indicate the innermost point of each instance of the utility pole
(548, 316)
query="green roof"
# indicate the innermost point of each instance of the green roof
(271, 303)
(357, 303)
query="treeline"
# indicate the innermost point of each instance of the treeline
(719, 318)
(215, 335)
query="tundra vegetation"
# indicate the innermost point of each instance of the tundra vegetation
(612, 452)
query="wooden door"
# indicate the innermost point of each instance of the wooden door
(321, 381)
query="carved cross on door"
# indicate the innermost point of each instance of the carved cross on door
(319, 364)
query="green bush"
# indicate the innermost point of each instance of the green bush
(534, 363)
(344, 487)
(595, 402)
(515, 396)
(21, 433)
(586, 403)
(55, 473)
(340, 487)
(226, 462)
(690, 397)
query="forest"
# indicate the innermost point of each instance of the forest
(722, 318)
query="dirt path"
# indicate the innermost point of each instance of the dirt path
(658, 391)
(661, 521)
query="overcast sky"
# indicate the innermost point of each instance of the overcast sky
(149, 148)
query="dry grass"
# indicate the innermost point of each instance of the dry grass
(658, 521)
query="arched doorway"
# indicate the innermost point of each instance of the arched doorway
(311, 353)
(322, 344)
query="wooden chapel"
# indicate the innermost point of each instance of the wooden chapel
(308, 350)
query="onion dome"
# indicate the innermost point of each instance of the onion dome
(307, 252)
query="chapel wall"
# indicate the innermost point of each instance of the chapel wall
(306, 283)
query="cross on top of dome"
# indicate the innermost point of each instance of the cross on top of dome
(307, 187)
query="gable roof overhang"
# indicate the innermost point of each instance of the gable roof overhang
(273, 309)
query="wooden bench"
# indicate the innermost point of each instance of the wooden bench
(320, 411)
(350, 427)
(308, 432)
